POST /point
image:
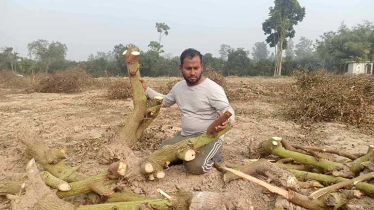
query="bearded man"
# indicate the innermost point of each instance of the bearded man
(200, 101)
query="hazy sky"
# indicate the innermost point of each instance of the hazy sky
(88, 26)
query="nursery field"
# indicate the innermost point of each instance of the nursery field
(84, 123)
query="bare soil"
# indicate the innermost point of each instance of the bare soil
(83, 123)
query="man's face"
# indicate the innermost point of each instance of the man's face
(192, 70)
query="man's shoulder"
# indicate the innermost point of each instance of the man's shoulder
(179, 85)
(212, 84)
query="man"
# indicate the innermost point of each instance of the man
(200, 101)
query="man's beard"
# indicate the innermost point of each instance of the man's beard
(192, 82)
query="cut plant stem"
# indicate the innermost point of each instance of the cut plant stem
(340, 185)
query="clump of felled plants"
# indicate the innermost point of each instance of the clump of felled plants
(12, 80)
(216, 76)
(72, 80)
(325, 97)
(119, 89)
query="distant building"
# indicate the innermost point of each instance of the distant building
(360, 68)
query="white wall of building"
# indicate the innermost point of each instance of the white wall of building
(358, 68)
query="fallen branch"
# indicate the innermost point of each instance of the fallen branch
(38, 196)
(54, 182)
(337, 200)
(340, 185)
(96, 183)
(275, 147)
(10, 183)
(331, 151)
(264, 167)
(302, 175)
(43, 154)
(357, 166)
(52, 160)
(126, 196)
(158, 204)
(292, 196)
(310, 184)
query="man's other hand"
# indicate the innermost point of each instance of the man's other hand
(223, 125)
(143, 84)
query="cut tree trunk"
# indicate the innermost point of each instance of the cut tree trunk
(184, 150)
(11, 183)
(275, 147)
(37, 196)
(357, 166)
(54, 182)
(139, 119)
(263, 167)
(155, 163)
(51, 160)
(96, 183)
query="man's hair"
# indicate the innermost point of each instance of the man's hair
(190, 53)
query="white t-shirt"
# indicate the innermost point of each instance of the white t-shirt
(198, 104)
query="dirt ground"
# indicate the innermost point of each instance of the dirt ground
(83, 123)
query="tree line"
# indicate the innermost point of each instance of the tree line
(331, 51)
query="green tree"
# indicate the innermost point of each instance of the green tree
(51, 56)
(290, 52)
(237, 63)
(120, 61)
(155, 46)
(304, 48)
(149, 63)
(260, 51)
(280, 25)
(263, 67)
(101, 64)
(335, 49)
(9, 59)
(26, 66)
(224, 51)
(305, 54)
(215, 63)
(163, 30)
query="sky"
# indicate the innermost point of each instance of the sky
(90, 26)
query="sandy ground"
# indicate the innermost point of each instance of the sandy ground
(82, 123)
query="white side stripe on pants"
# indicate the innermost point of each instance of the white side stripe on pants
(208, 163)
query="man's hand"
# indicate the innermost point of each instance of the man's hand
(223, 125)
(143, 84)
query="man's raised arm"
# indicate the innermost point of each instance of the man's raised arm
(169, 99)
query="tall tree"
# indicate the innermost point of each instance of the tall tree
(163, 30)
(304, 48)
(102, 64)
(224, 51)
(237, 63)
(9, 58)
(290, 52)
(215, 63)
(48, 54)
(280, 25)
(155, 46)
(260, 51)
